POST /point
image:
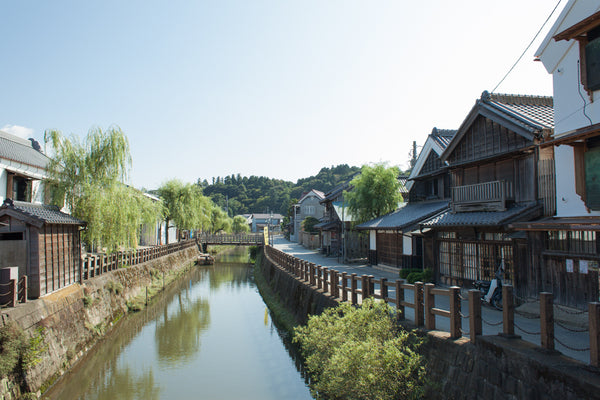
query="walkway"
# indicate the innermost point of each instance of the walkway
(567, 330)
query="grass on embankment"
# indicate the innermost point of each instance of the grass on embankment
(279, 312)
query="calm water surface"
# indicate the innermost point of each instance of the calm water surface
(209, 336)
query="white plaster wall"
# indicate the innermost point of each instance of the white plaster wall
(373, 240)
(568, 93)
(407, 245)
(3, 177)
(568, 202)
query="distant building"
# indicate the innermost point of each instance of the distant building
(260, 221)
(22, 169)
(309, 205)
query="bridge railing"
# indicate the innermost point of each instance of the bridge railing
(345, 287)
(245, 238)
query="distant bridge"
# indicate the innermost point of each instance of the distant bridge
(242, 239)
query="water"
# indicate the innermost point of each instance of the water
(209, 336)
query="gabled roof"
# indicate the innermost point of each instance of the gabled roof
(336, 191)
(20, 150)
(437, 141)
(38, 214)
(267, 216)
(315, 192)
(517, 212)
(528, 116)
(407, 216)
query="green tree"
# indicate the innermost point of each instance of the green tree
(185, 205)
(376, 191)
(89, 178)
(358, 353)
(240, 225)
(309, 225)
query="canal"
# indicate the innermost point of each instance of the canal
(208, 336)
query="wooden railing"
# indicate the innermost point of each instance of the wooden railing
(344, 287)
(93, 264)
(13, 292)
(487, 196)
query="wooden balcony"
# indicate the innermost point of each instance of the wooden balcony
(487, 196)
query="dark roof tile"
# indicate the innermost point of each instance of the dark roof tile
(42, 212)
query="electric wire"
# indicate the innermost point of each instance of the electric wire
(527, 48)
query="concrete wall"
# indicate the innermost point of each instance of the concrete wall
(70, 327)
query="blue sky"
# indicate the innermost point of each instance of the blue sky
(275, 88)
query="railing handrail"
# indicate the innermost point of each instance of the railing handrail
(424, 303)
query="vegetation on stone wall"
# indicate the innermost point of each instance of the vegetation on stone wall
(18, 351)
(359, 353)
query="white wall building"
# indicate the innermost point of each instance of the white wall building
(576, 80)
(22, 169)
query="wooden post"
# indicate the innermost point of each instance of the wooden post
(325, 277)
(371, 285)
(312, 274)
(455, 321)
(24, 295)
(319, 275)
(594, 316)
(353, 285)
(302, 269)
(334, 283)
(344, 289)
(508, 311)
(14, 298)
(384, 289)
(418, 303)
(475, 326)
(399, 299)
(364, 286)
(429, 300)
(547, 320)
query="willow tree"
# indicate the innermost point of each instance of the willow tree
(88, 177)
(185, 205)
(376, 191)
(239, 224)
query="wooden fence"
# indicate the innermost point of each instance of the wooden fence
(345, 287)
(99, 263)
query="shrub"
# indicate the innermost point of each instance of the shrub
(418, 275)
(17, 351)
(358, 353)
(407, 271)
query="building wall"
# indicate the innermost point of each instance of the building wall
(37, 174)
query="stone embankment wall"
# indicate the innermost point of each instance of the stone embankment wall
(494, 367)
(74, 318)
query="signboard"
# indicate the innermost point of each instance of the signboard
(266, 233)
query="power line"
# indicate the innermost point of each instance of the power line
(528, 46)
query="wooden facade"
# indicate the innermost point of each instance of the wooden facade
(498, 175)
(51, 240)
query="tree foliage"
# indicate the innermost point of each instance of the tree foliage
(89, 176)
(240, 225)
(308, 225)
(259, 194)
(376, 192)
(358, 353)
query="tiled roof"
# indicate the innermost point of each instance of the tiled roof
(409, 215)
(267, 216)
(443, 136)
(16, 149)
(538, 110)
(484, 218)
(44, 213)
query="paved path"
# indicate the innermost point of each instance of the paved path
(527, 323)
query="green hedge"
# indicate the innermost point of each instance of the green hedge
(413, 275)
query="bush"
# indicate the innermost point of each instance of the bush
(358, 353)
(407, 271)
(17, 351)
(417, 275)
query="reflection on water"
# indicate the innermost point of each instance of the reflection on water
(207, 336)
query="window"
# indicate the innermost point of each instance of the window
(587, 33)
(308, 210)
(18, 187)
(587, 171)
(574, 242)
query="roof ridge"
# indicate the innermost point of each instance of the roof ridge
(519, 99)
(443, 132)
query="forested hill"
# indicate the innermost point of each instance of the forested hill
(259, 194)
